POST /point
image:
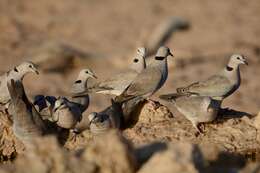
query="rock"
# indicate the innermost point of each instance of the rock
(10, 146)
(153, 111)
(112, 153)
(257, 121)
(179, 157)
(45, 155)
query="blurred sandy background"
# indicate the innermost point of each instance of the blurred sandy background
(110, 31)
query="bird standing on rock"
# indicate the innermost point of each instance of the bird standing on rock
(221, 85)
(17, 74)
(197, 109)
(116, 84)
(111, 117)
(80, 86)
(65, 113)
(27, 122)
(150, 80)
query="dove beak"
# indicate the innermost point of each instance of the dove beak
(245, 62)
(94, 76)
(36, 71)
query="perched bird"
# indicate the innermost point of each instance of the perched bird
(17, 74)
(221, 85)
(197, 109)
(150, 79)
(44, 105)
(116, 84)
(81, 86)
(107, 119)
(27, 122)
(65, 113)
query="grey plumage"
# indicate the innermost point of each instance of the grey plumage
(197, 109)
(150, 79)
(116, 84)
(221, 85)
(17, 74)
(66, 114)
(109, 118)
(80, 88)
(27, 122)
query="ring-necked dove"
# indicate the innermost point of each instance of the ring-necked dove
(197, 109)
(221, 85)
(80, 86)
(65, 113)
(17, 74)
(109, 118)
(27, 122)
(150, 79)
(116, 84)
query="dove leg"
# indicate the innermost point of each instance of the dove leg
(153, 103)
(196, 125)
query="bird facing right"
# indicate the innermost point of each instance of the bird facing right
(221, 85)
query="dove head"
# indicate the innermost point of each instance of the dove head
(85, 74)
(24, 68)
(162, 53)
(138, 63)
(60, 103)
(236, 60)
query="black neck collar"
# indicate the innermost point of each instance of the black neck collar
(229, 68)
(159, 58)
(15, 69)
(78, 81)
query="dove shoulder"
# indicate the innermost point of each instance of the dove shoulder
(146, 82)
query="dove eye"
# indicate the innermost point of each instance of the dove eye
(30, 66)
(136, 60)
(238, 58)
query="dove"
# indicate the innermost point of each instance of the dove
(44, 105)
(80, 86)
(109, 118)
(27, 122)
(65, 113)
(150, 79)
(197, 109)
(221, 85)
(17, 74)
(116, 84)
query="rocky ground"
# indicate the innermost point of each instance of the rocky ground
(102, 34)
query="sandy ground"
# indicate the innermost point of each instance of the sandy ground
(110, 31)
